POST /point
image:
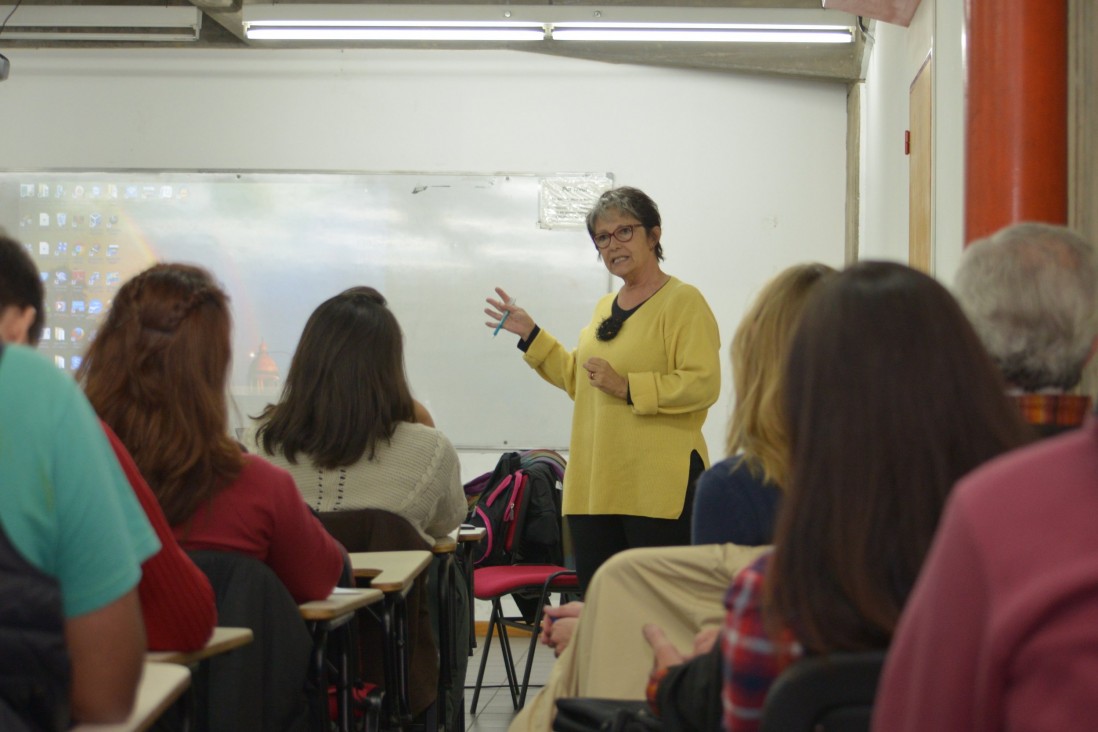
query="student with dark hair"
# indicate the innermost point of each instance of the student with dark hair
(177, 601)
(346, 428)
(351, 435)
(158, 373)
(891, 398)
(22, 299)
(72, 540)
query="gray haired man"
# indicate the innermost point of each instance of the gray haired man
(1031, 292)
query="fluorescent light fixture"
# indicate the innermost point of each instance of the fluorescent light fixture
(397, 33)
(396, 30)
(699, 33)
(101, 23)
(369, 22)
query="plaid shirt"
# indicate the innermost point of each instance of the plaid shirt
(1053, 410)
(750, 658)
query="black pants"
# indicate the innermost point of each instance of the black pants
(596, 538)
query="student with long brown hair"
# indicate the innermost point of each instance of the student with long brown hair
(891, 398)
(347, 428)
(157, 374)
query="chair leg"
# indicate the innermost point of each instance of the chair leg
(508, 657)
(431, 716)
(492, 620)
(539, 614)
(530, 653)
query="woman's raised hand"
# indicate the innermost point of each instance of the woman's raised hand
(517, 321)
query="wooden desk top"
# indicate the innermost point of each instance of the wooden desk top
(223, 639)
(467, 535)
(390, 571)
(445, 545)
(161, 684)
(342, 601)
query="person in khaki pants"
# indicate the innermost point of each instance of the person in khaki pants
(602, 652)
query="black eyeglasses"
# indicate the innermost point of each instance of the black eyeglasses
(622, 234)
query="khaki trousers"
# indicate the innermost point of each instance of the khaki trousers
(681, 589)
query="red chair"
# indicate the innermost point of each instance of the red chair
(493, 583)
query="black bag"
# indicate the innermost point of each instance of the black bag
(604, 715)
(520, 510)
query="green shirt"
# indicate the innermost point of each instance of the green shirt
(64, 502)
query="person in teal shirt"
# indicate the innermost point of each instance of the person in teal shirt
(67, 509)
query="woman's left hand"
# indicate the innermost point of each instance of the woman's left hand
(604, 378)
(664, 652)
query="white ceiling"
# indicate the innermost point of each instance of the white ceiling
(222, 26)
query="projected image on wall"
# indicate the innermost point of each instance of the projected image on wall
(280, 244)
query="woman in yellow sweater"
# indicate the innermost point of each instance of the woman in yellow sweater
(643, 376)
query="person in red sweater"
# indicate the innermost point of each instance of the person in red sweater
(158, 373)
(177, 602)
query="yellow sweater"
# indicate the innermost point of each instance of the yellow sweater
(635, 460)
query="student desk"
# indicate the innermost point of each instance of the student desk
(393, 574)
(324, 616)
(223, 639)
(161, 685)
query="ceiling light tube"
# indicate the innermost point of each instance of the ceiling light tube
(391, 33)
(655, 34)
(448, 22)
(396, 30)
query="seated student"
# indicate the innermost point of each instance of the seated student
(157, 373)
(352, 437)
(1031, 292)
(738, 498)
(345, 427)
(72, 539)
(1001, 630)
(682, 587)
(891, 398)
(177, 602)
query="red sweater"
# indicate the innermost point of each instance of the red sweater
(999, 632)
(177, 601)
(262, 514)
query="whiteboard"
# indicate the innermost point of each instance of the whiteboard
(282, 243)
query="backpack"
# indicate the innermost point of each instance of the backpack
(519, 507)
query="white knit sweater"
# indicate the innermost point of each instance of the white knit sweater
(416, 475)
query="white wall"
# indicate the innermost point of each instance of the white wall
(884, 182)
(949, 137)
(748, 170)
(896, 57)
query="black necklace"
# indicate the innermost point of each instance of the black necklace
(611, 324)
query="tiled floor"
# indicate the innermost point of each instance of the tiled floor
(494, 709)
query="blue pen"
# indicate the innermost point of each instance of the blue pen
(504, 318)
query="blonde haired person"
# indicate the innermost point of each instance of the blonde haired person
(738, 498)
(681, 588)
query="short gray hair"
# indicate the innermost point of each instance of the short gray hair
(632, 201)
(1031, 292)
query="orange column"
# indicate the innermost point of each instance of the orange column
(1016, 114)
